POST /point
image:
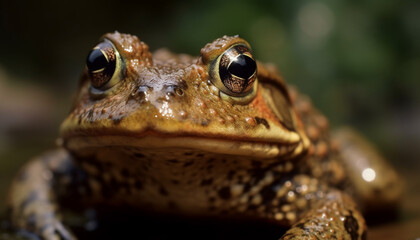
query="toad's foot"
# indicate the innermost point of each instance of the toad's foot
(333, 218)
(32, 201)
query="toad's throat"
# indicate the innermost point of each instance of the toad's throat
(211, 145)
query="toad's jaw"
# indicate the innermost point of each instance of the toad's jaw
(213, 145)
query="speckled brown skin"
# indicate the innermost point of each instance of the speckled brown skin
(169, 137)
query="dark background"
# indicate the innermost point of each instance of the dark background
(358, 60)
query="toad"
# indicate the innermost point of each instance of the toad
(218, 135)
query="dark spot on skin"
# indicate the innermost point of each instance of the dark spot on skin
(230, 175)
(200, 155)
(205, 123)
(224, 212)
(145, 168)
(224, 193)
(106, 192)
(172, 205)
(110, 189)
(118, 119)
(268, 193)
(173, 161)
(300, 226)
(163, 191)
(127, 190)
(183, 84)
(262, 121)
(209, 167)
(351, 225)
(125, 172)
(90, 113)
(188, 163)
(391, 184)
(247, 186)
(212, 199)
(139, 155)
(206, 182)
(377, 191)
(252, 207)
(138, 184)
(256, 164)
(175, 182)
(188, 153)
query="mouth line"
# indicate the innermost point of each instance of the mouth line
(228, 146)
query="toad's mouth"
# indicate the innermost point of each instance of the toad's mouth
(258, 149)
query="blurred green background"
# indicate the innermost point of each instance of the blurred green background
(358, 60)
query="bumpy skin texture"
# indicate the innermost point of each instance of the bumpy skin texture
(168, 137)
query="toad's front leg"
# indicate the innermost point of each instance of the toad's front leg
(333, 217)
(321, 212)
(32, 199)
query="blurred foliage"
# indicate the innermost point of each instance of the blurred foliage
(358, 60)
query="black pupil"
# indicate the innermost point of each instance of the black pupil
(96, 60)
(243, 67)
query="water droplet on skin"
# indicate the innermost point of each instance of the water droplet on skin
(213, 112)
(183, 113)
(200, 103)
(251, 121)
(230, 119)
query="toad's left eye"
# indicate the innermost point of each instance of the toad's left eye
(235, 74)
(237, 69)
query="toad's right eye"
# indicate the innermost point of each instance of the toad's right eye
(104, 66)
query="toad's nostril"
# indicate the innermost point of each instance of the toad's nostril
(171, 90)
(179, 92)
(144, 89)
(140, 94)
